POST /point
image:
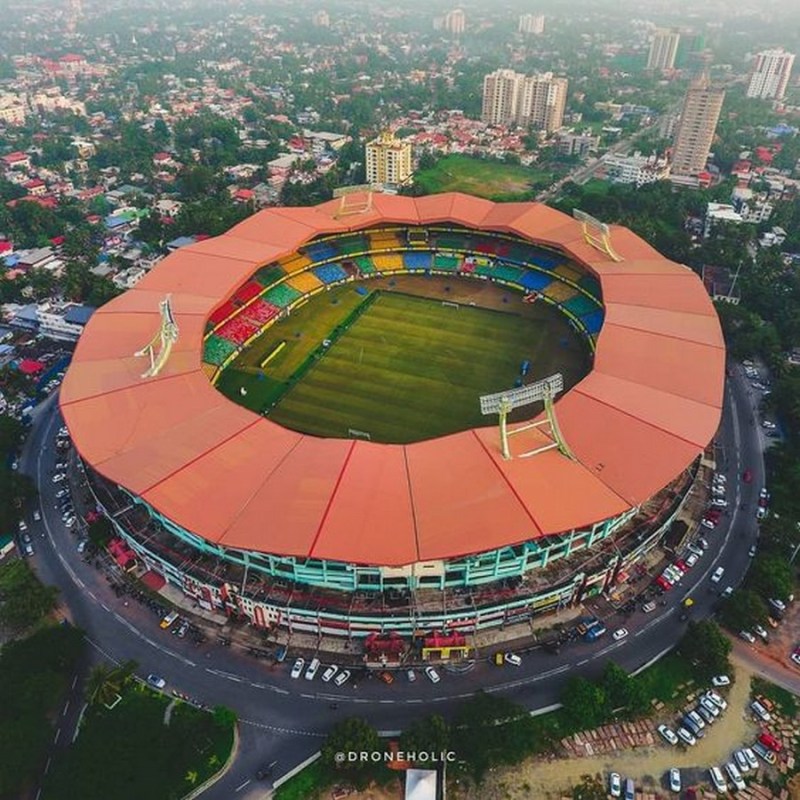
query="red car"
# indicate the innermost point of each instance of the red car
(768, 740)
(747, 476)
(682, 566)
(714, 514)
(663, 583)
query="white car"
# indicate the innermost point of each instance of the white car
(513, 659)
(615, 785)
(297, 668)
(735, 776)
(37, 516)
(57, 478)
(710, 706)
(707, 523)
(433, 675)
(619, 634)
(329, 673)
(411, 675)
(667, 734)
(675, 780)
(752, 761)
(718, 502)
(760, 711)
(741, 761)
(715, 698)
(156, 681)
(721, 680)
(747, 636)
(718, 573)
(342, 678)
(686, 737)
(761, 632)
(694, 550)
(692, 559)
(312, 669)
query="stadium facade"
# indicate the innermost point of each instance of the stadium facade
(347, 536)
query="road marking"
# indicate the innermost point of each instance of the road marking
(74, 681)
(275, 729)
(47, 765)
(64, 712)
(239, 788)
(227, 675)
(39, 793)
(586, 660)
(386, 702)
(80, 582)
(58, 733)
(414, 701)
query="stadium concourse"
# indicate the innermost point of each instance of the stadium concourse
(346, 536)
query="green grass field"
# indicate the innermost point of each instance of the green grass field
(407, 368)
(491, 179)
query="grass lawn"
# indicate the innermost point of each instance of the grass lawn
(306, 785)
(128, 752)
(491, 179)
(783, 699)
(661, 681)
(408, 368)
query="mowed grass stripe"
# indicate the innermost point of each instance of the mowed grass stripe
(410, 368)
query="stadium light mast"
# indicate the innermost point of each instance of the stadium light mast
(596, 234)
(502, 403)
(165, 336)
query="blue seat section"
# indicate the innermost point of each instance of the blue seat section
(593, 321)
(330, 273)
(417, 260)
(591, 284)
(544, 259)
(535, 281)
(321, 251)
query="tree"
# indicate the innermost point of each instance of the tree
(585, 703)
(346, 741)
(705, 646)
(11, 432)
(623, 692)
(771, 576)
(24, 600)
(102, 686)
(429, 734)
(744, 610)
(224, 717)
(591, 787)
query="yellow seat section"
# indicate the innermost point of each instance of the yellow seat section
(305, 282)
(295, 263)
(382, 240)
(568, 272)
(387, 261)
(560, 292)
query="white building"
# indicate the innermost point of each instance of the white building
(531, 24)
(663, 49)
(511, 98)
(770, 75)
(636, 169)
(720, 213)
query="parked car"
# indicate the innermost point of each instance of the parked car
(706, 715)
(747, 636)
(312, 669)
(329, 673)
(156, 681)
(741, 761)
(735, 776)
(386, 677)
(675, 780)
(711, 707)
(686, 737)
(411, 675)
(615, 785)
(433, 675)
(715, 698)
(752, 551)
(648, 607)
(752, 761)
(764, 753)
(342, 678)
(37, 517)
(513, 659)
(668, 735)
(707, 523)
(770, 741)
(761, 632)
(718, 780)
(694, 550)
(721, 680)
(297, 668)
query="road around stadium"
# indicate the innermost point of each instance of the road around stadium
(286, 720)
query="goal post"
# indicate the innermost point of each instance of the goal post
(450, 304)
(356, 434)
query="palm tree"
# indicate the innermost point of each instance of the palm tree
(103, 685)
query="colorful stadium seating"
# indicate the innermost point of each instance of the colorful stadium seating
(535, 281)
(294, 263)
(282, 295)
(239, 329)
(591, 284)
(506, 272)
(266, 276)
(594, 321)
(417, 260)
(216, 350)
(384, 240)
(261, 312)
(580, 305)
(365, 265)
(387, 262)
(222, 313)
(560, 292)
(446, 263)
(350, 245)
(330, 273)
(568, 273)
(304, 282)
(247, 292)
(321, 251)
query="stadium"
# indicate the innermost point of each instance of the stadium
(391, 414)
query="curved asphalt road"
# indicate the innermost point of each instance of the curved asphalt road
(286, 720)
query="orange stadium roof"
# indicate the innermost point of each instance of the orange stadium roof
(647, 409)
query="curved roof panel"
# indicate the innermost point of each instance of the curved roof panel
(648, 408)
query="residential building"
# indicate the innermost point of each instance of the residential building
(388, 160)
(720, 213)
(577, 144)
(695, 133)
(663, 49)
(531, 24)
(510, 98)
(12, 109)
(770, 75)
(455, 22)
(321, 19)
(637, 169)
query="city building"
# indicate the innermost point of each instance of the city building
(720, 214)
(321, 19)
(511, 98)
(770, 75)
(388, 160)
(637, 169)
(455, 22)
(663, 49)
(531, 24)
(12, 109)
(577, 144)
(695, 132)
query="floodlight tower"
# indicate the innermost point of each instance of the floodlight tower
(165, 336)
(502, 403)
